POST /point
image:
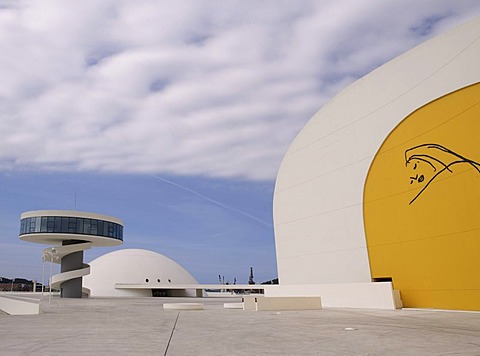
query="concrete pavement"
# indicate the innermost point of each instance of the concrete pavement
(141, 326)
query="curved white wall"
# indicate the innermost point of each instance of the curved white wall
(318, 198)
(134, 266)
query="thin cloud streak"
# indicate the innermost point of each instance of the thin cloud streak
(216, 202)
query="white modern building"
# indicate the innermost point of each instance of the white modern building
(138, 273)
(71, 233)
(381, 189)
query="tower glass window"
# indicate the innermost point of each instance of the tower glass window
(68, 225)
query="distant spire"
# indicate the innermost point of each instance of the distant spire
(250, 280)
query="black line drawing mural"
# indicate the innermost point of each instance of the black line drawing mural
(430, 160)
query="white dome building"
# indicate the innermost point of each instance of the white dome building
(137, 273)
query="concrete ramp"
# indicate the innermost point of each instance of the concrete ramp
(19, 306)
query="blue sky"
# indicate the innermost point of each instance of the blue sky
(174, 116)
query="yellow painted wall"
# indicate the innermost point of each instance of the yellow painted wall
(422, 204)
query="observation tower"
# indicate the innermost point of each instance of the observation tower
(70, 233)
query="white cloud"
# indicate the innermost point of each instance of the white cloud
(210, 88)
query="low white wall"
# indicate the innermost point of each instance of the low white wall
(348, 295)
(289, 303)
(18, 307)
(107, 291)
(398, 299)
(250, 302)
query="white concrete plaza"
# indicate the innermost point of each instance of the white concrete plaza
(134, 326)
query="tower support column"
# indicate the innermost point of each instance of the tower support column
(73, 261)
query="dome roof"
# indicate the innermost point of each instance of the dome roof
(133, 266)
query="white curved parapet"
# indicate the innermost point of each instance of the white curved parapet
(183, 306)
(55, 255)
(66, 276)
